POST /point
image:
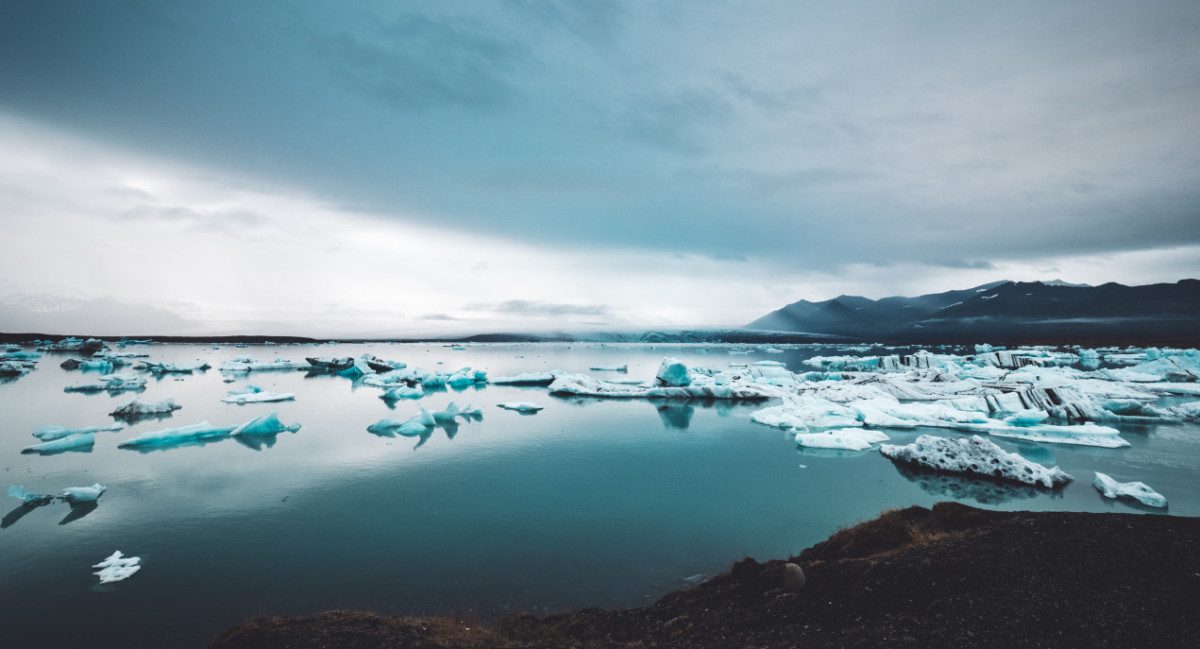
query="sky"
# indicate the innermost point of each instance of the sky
(420, 168)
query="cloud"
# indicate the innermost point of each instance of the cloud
(539, 308)
(972, 264)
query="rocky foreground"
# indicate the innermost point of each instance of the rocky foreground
(953, 576)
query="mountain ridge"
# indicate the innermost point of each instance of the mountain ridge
(1005, 310)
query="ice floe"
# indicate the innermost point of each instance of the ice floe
(521, 406)
(73, 442)
(850, 439)
(246, 364)
(117, 567)
(83, 494)
(48, 433)
(268, 424)
(255, 394)
(974, 456)
(29, 498)
(1139, 491)
(175, 368)
(177, 436)
(527, 378)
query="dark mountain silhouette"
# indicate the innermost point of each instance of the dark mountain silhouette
(1007, 311)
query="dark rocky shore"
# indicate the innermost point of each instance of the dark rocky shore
(953, 576)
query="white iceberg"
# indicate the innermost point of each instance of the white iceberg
(804, 412)
(268, 424)
(74, 442)
(255, 394)
(610, 368)
(851, 439)
(175, 368)
(520, 406)
(48, 433)
(1087, 434)
(83, 494)
(245, 364)
(175, 436)
(117, 567)
(974, 456)
(1139, 491)
(527, 378)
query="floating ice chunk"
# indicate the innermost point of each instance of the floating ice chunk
(403, 392)
(851, 439)
(408, 427)
(83, 494)
(75, 442)
(245, 364)
(673, 373)
(528, 378)
(610, 368)
(460, 380)
(268, 424)
(29, 498)
(703, 387)
(1087, 434)
(48, 433)
(16, 367)
(175, 368)
(117, 567)
(1139, 491)
(175, 436)
(806, 411)
(255, 394)
(974, 456)
(520, 406)
(445, 415)
(1027, 417)
(136, 409)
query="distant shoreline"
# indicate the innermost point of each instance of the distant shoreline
(686, 336)
(950, 576)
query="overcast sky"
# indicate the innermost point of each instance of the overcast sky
(418, 167)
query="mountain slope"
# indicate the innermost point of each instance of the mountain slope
(1007, 311)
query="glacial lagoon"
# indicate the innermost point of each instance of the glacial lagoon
(589, 502)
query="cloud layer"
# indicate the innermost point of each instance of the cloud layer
(591, 155)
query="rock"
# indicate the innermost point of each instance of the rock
(791, 578)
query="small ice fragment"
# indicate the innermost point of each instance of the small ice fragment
(520, 406)
(403, 392)
(117, 567)
(83, 494)
(1139, 491)
(28, 498)
(255, 394)
(268, 424)
(610, 368)
(135, 409)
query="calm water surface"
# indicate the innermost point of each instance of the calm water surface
(588, 503)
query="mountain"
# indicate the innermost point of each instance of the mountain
(1007, 312)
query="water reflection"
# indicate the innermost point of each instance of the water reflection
(984, 492)
(675, 415)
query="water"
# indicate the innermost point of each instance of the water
(588, 503)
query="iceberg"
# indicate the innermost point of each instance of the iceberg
(29, 498)
(673, 373)
(176, 436)
(403, 392)
(407, 428)
(175, 368)
(1087, 434)
(83, 494)
(703, 387)
(48, 433)
(268, 424)
(245, 364)
(117, 567)
(1139, 491)
(850, 439)
(528, 378)
(255, 394)
(520, 406)
(806, 412)
(16, 368)
(974, 456)
(74, 442)
(135, 409)
(329, 364)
